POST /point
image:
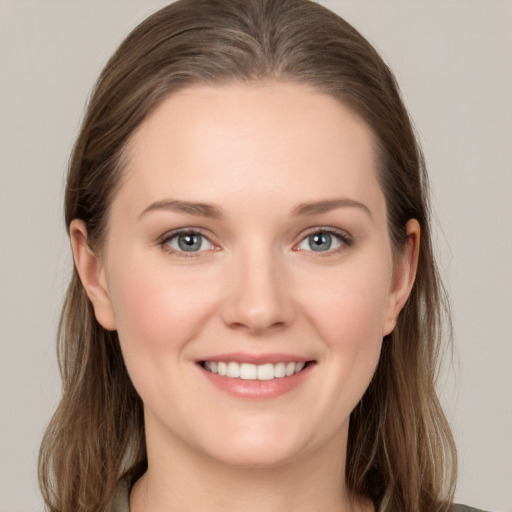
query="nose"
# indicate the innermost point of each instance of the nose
(260, 298)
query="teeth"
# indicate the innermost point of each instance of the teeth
(266, 372)
(233, 370)
(222, 368)
(280, 370)
(247, 371)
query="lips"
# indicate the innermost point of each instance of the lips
(252, 376)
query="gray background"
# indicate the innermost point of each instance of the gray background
(453, 59)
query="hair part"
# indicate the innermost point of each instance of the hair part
(401, 452)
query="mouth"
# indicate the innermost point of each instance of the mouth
(260, 372)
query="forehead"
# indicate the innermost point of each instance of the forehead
(280, 141)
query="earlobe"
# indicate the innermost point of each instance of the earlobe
(404, 275)
(90, 268)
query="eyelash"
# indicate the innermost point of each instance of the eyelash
(344, 238)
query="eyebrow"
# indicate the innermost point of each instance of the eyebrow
(214, 212)
(318, 207)
(200, 209)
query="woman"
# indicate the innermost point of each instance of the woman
(254, 317)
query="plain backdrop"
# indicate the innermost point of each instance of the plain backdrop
(453, 60)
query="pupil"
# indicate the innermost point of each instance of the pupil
(320, 241)
(189, 242)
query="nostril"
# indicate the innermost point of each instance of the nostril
(258, 325)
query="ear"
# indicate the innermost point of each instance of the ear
(92, 274)
(404, 274)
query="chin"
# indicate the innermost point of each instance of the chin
(257, 457)
(263, 446)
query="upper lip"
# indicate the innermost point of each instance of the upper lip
(242, 357)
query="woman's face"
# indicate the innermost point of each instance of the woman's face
(249, 236)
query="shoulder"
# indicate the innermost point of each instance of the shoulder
(465, 508)
(121, 501)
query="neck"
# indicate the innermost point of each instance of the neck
(185, 480)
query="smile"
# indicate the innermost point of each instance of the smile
(248, 371)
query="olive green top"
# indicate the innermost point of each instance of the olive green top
(465, 508)
(121, 502)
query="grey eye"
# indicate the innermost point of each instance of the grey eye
(189, 242)
(320, 242)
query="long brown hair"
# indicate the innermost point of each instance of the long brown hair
(400, 451)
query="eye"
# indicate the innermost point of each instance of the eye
(188, 241)
(323, 241)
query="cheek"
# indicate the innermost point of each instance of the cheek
(158, 308)
(351, 326)
(348, 314)
(349, 305)
(159, 312)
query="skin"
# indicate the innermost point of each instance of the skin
(256, 153)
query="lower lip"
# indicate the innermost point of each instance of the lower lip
(257, 389)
